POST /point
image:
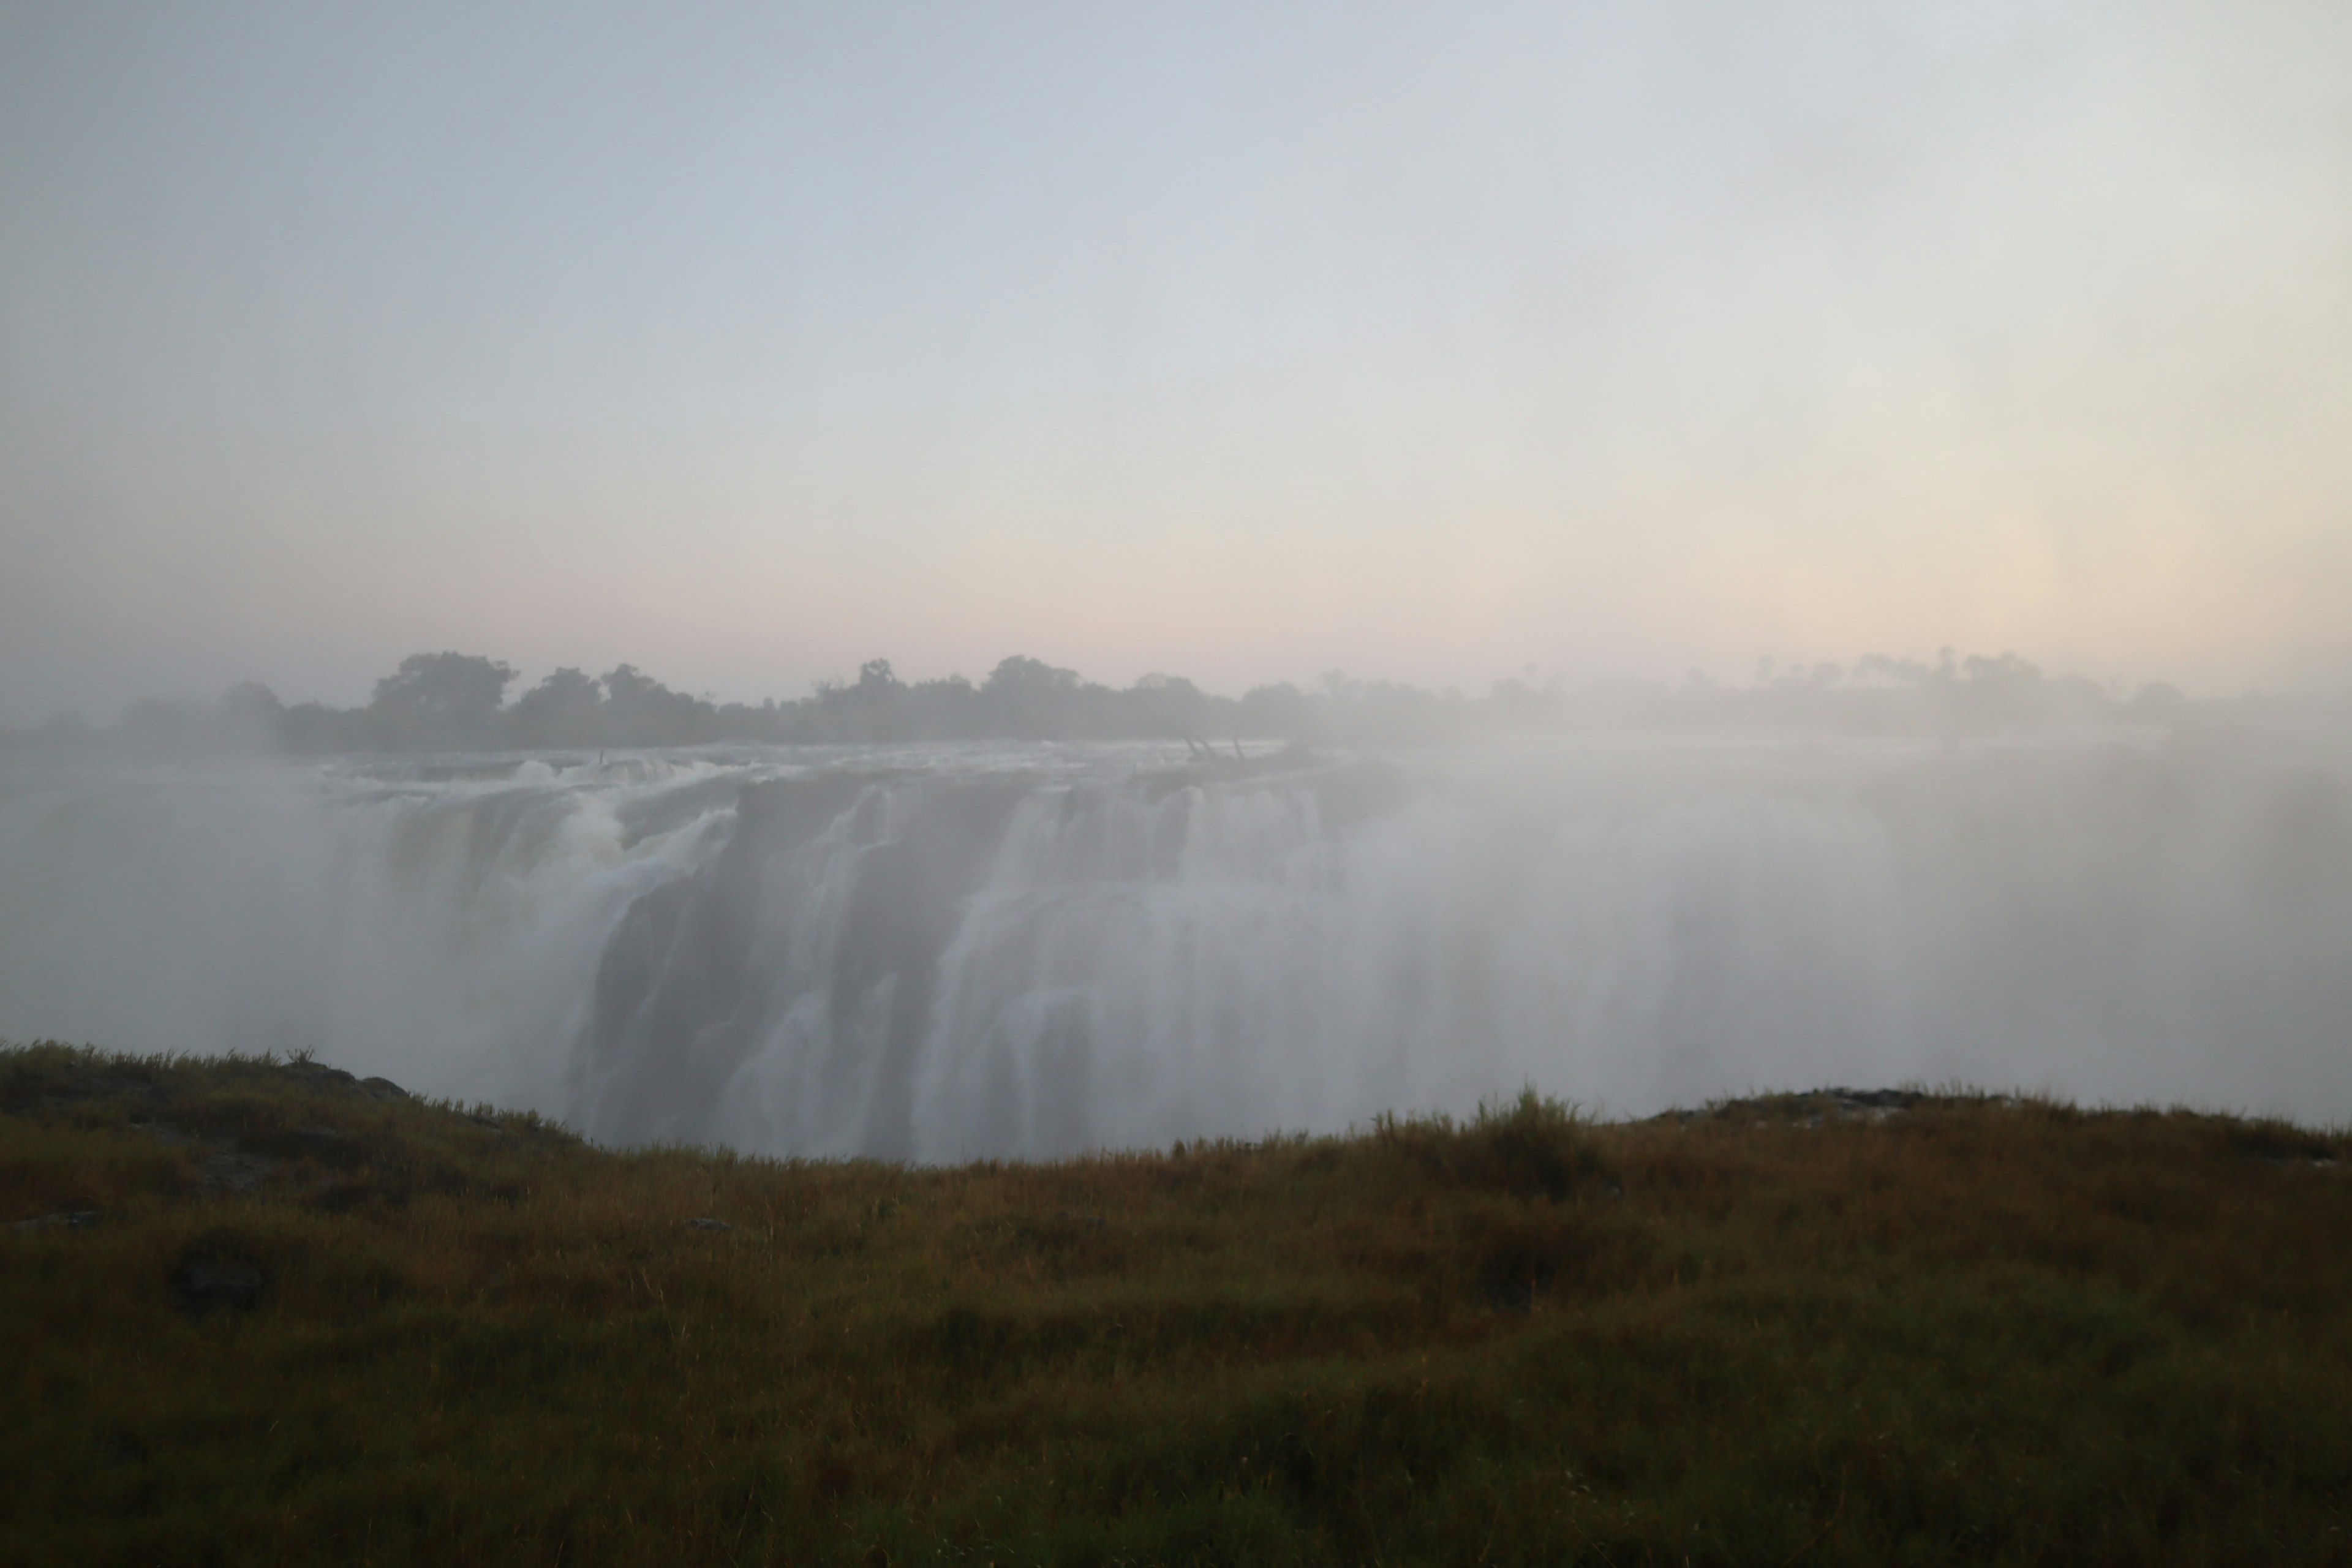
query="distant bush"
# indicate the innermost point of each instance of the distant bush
(1529, 1145)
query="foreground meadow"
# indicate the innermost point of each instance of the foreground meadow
(263, 1313)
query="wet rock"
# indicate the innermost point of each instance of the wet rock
(69, 1219)
(707, 1224)
(205, 1283)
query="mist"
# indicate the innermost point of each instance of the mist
(1249, 344)
(957, 948)
(1650, 553)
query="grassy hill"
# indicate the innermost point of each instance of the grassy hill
(260, 1311)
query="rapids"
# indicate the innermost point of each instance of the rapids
(936, 953)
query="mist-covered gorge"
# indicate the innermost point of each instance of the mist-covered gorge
(950, 951)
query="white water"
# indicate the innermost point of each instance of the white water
(933, 952)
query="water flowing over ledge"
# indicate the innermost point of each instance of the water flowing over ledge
(935, 953)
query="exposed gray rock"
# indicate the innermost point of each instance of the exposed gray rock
(322, 1076)
(235, 1171)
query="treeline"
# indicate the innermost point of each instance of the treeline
(446, 701)
(455, 701)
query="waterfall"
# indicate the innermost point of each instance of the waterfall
(949, 952)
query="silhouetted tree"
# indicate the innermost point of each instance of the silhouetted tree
(1168, 706)
(567, 709)
(439, 699)
(641, 711)
(1029, 699)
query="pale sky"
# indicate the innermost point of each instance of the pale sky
(1242, 340)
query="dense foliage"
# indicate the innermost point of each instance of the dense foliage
(263, 1313)
(447, 701)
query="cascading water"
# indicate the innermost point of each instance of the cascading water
(939, 952)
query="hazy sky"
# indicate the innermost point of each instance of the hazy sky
(1240, 341)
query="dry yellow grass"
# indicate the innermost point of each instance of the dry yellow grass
(299, 1320)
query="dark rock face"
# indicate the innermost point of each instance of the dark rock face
(206, 1282)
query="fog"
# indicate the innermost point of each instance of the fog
(954, 949)
(1649, 551)
(1244, 340)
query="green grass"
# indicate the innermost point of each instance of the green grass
(1973, 1330)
